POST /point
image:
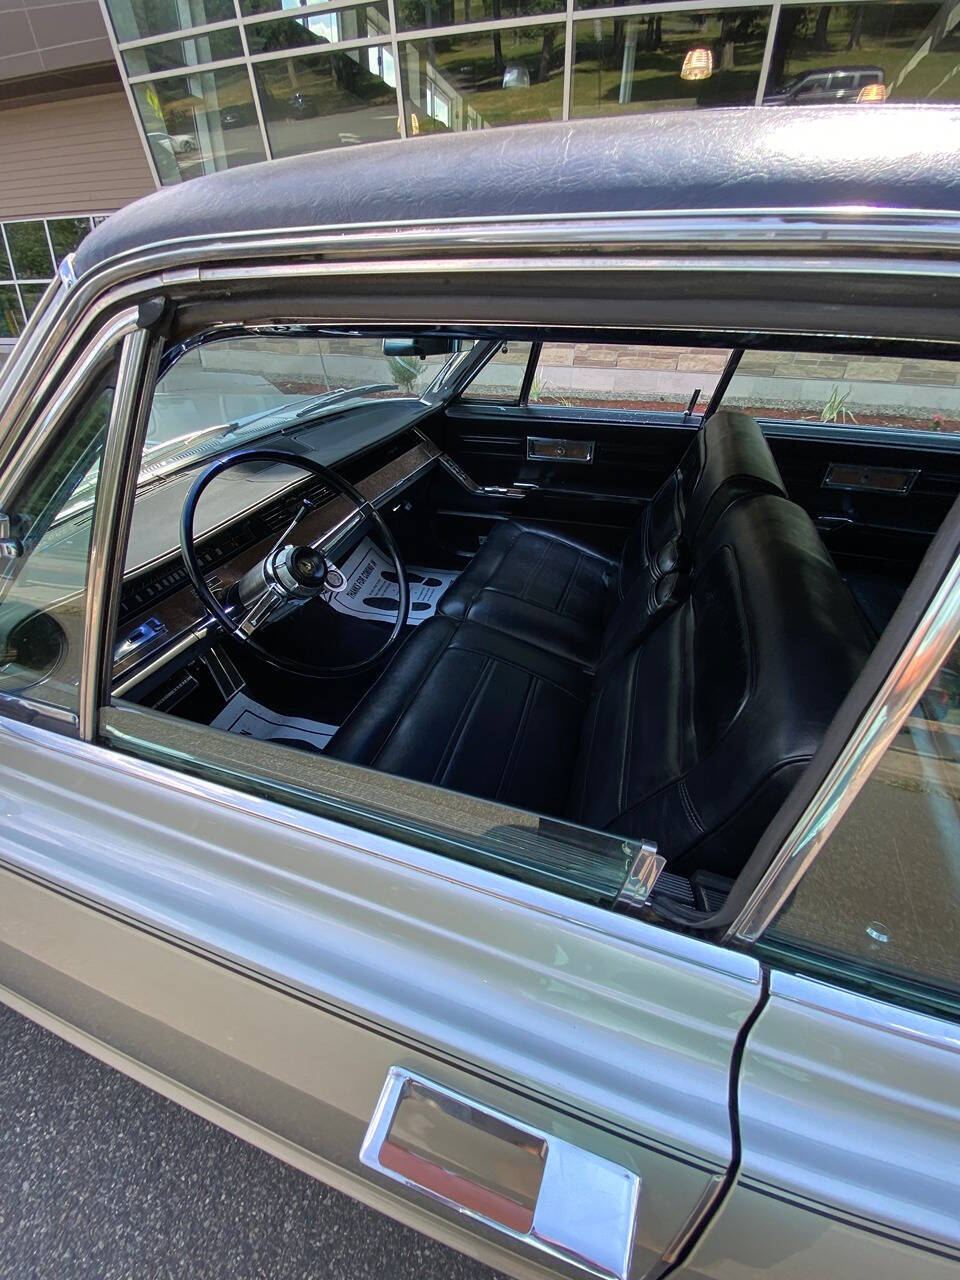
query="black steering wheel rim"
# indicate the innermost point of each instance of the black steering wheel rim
(346, 490)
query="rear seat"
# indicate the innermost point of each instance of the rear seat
(559, 594)
(694, 723)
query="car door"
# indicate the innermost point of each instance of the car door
(527, 1074)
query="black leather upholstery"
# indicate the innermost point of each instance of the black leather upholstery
(695, 736)
(694, 725)
(561, 595)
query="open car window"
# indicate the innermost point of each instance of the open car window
(563, 624)
(889, 392)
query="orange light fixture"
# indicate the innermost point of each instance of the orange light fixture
(697, 65)
(873, 93)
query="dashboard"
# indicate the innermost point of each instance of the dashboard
(160, 614)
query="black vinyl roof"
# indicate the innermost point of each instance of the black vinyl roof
(884, 155)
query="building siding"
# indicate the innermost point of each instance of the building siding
(76, 155)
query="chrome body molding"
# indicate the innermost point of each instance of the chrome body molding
(849, 1107)
(925, 652)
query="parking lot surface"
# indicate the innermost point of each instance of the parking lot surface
(102, 1178)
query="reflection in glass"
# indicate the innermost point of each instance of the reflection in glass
(66, 234)
(884, 891)
(11, 317)
(330, 99)
(446, 13)
(636, 64)
(167, 55)
(136, 19)
(851, 52)
(31, 295)
(476, 81)
(29, 250)
(200, 123)
(6, 271)
(329, 27)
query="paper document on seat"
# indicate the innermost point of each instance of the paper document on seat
(372, 590)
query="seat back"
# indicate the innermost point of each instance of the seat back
(727, 459)
(695, 735)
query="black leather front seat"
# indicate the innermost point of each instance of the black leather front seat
(559, 594)
(694, 726)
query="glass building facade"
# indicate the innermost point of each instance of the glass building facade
(30, 249)
(219, 83)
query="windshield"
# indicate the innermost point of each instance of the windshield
(232, 391)
(229, 390)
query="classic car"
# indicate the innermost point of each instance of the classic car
(466, 616)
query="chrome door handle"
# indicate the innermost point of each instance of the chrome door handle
(538, 1189)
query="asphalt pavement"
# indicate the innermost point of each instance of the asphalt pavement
(101, 1178)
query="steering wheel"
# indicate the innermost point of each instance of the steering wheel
(288, 574)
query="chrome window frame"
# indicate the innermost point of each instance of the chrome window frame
(753, 241)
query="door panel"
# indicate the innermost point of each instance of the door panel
(596, 501)
(850, 1134)
(864, 528)
(279, 965)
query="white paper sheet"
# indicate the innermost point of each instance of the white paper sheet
(245, 716)
(370, 593)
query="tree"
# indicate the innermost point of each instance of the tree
(820, 41)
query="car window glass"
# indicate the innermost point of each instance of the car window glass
(601, 375)
(42, 591)
(884, 892)
(502, 377)
(246, 385)
(849, 390)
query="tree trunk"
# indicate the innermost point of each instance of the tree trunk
(820, 42)
(790, 17)
(497, 46)
(856, 27)
(546, 51)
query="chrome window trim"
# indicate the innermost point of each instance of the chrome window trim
(925, 651)
(126, 430)
(95, 355)
(767, 231)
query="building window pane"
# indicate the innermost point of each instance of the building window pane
(170, 54)
(329, 100)
(447, 13)
(849, 390)
(11, 317)
(66, 234)
(884, 891)
(644, 63)
(29, 250)
(330, 27)
(137, 19)
(835, 53)
(31, 295)
(6, 271)
(599, 375)
(476, 81)
(201, 123)
(502, 377)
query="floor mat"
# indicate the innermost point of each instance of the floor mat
(245, 716)
(371, 590)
